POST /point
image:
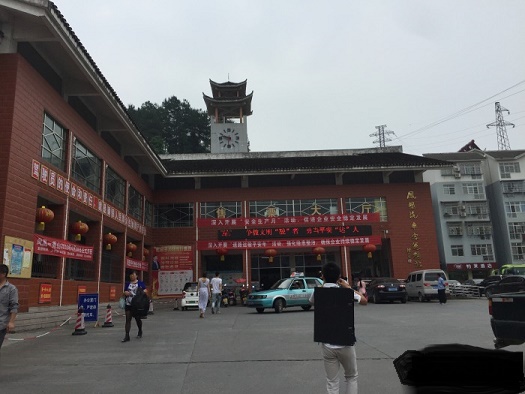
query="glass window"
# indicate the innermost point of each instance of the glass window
(484, 250)
(516, 230)
(135, 203)
(86, 167)
(174, 215)
(54, 143)
(115, 189)
(473, 188)
(518, 251)
(148, 214)
(221, 209)
(513, 208)
(362, 205)
(506, 169)
(457, 250)
(449, 188)
(470, 168)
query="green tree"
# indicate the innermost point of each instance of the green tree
(173, 127)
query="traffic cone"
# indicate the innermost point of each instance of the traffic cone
(109, 319)
(80, 328)
(150, 311)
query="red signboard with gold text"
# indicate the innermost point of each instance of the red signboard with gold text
(136, 264)
(44, 295)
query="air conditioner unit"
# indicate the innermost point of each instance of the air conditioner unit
(457, 175)
(463, 214)
(463, 207)
(455, 168)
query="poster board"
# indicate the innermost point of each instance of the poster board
(176, 268)
(18, 256)
(334, 316)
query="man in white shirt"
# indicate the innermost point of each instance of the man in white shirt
(216, 291)
(334, 355)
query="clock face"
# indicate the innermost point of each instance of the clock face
(229, 138)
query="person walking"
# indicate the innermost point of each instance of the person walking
(204, 293)
(130, 291)
(335, 355)
(441, 290)
(216, 289)
(8, 304)
(361, 287)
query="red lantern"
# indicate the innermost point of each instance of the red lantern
(271, 253)
(370, 248)
(222, 252)
(44, 215)
(318, 250)
(110, 239)
(79, 229)
(146, 252)
(130, 248)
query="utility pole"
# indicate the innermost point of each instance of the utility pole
(501, 127)
(380, 134)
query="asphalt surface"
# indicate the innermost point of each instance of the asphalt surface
(237, 351)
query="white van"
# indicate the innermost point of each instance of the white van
(423, 284)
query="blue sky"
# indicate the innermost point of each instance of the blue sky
(324, 74)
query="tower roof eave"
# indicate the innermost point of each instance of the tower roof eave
(226, 88)
(229, 106)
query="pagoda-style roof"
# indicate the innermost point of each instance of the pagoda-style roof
(228, 89)
(308, 162)
(229, 107)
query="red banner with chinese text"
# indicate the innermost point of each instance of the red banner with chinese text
(136, 264)
(61, 248)
(350, 218)
(289, 243)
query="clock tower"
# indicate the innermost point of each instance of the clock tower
(228, 108)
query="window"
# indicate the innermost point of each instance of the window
(518, 251)
(134, 203)
(450, 209)
(221, 209)
(455, 229)
(457, 250)
(362, 205)
(513, 208)
(473, 188)
(115, 189)
(86, 167)
(484, 250)
(470, 168)
(516, 230)
(480, 229)
(479, 209)
(174, 215)
(148, 214)
(449, 188)
(513, 187)
(54, 143)
(447, 171)
(307, 207)
(506, 169)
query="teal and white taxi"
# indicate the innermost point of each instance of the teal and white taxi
(286, 293)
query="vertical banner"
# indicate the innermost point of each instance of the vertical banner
(44, 295)
(176, 268)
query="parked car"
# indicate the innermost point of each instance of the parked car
(473, 282)
(509, 284)
(422, 284)
(489, 280)
(190, 296)
(288, 292)
(386, 289)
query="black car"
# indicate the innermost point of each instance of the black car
(386, 289)
(509, 284)
(489, 280)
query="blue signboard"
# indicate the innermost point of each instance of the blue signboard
(89, 302)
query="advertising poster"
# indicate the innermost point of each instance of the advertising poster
(18, 255)
(176, 268)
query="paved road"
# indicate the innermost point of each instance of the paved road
(237, 351)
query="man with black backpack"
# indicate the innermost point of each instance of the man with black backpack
(137, 303)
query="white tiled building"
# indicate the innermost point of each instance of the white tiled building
(479, 209)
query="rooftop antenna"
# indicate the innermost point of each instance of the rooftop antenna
(380, 134)
(500, 124)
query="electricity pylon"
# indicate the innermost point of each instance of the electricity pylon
(380, 134)
(501, 127)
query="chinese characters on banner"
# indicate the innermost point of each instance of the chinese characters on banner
(413, 251)
(176, 268)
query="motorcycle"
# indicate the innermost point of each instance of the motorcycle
(243, 293)
(232, 299)
(224, 298)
